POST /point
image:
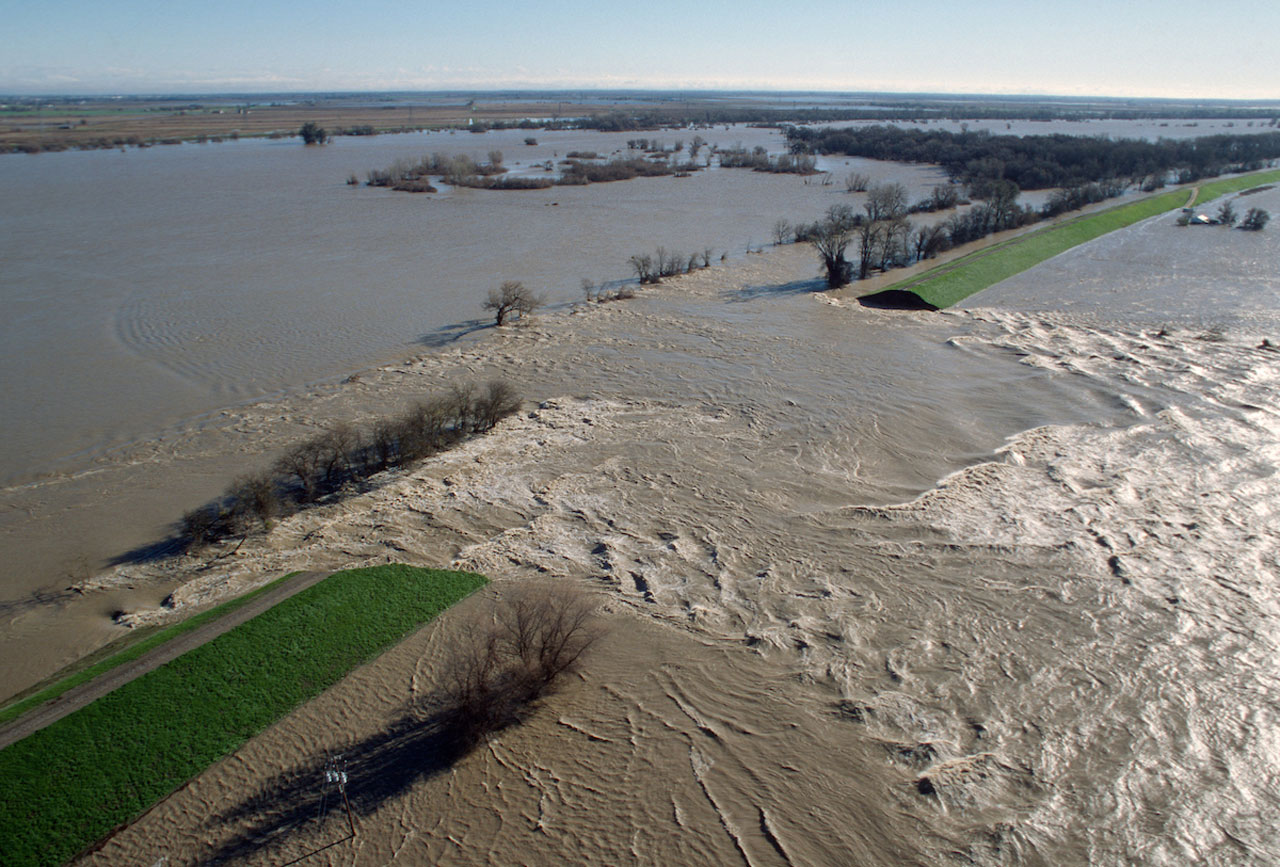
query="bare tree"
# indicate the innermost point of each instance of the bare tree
(512, 654)
(547, 628)
(928, 241)
(856, 182)
(870, 236)
(495, 403)
(511, 298)
(885, 202)
(642, 263)
(305, 463)
(461, 405)
(831, 239)
(885, 210)
(338, 450)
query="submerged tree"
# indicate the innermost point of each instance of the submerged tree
(313, 133)
(511, 656)
(884, 225)
(1227, 214)
(831, 238)
(1255, 219)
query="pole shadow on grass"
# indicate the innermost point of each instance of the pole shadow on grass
(795, 287)
(416, 746)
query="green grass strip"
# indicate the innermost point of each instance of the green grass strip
(71, 783)
(960, 278)
(984, 268)
(133, 646)
(1210, 191)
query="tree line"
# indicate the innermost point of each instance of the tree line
(852, 244)
(889, 110)
(330, 462)
(1043, 161)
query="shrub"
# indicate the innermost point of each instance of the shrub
(414, 185)
(498, 401)
(385, 444)
(1074, 198)
(312, 133)
(759, 160)
(460, 405)
(1255, 219)
(642, 264)
(301, 466)
(339, 450)
(254, 498)
(943, 197)
(504, 183)
(200, 526)
(579, 172)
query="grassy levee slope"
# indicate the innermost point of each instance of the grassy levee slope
(956, 280)
(1210, 191)
(70, 784)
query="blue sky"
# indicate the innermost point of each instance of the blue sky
(1175, 48)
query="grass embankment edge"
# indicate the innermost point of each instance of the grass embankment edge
(1212, 190)
(119, 652)
(73, 782)
(956, 280)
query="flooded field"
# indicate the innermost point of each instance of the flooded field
(150, 287)
(991, 586)
(1020, 565)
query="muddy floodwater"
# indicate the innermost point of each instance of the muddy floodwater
(994, 586)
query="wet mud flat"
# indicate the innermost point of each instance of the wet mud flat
(1000, 582)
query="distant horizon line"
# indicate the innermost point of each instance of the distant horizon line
(634, 91)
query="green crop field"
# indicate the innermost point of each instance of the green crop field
(956, 280)
(71, 783)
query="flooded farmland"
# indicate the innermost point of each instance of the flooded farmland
(993, 586)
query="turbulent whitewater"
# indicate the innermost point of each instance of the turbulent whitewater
(996, 586)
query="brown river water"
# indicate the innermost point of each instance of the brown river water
(992, 586)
